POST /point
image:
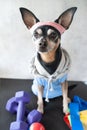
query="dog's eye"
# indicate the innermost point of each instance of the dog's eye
(37, 35)
(53, 35)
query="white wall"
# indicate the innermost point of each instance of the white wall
(16, 48)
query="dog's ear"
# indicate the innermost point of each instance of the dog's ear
(28, 17)
(66, 17)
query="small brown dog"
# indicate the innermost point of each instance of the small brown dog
(51, 63)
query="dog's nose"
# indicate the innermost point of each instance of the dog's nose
(43, 43)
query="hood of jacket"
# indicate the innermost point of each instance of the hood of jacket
(39, 71)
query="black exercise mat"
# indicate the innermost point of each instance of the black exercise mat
(53, 115)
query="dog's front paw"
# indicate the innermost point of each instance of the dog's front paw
(65, 109)
(65, 105)
(40, 107)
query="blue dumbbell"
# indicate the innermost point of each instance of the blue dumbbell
(34, 116)
(17, 104)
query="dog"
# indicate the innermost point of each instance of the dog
(51, 63)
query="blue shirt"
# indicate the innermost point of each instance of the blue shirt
(55, 85)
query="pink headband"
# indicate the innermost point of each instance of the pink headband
(60, 28)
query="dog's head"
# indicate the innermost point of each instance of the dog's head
(47, 35)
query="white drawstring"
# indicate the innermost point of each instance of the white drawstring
(49, 88)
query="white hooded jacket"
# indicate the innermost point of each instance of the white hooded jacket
(40, 72)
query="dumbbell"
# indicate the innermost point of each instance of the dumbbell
(12, 106)
(18, 104)
(34, 116)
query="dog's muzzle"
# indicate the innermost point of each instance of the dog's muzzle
(43, 46)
